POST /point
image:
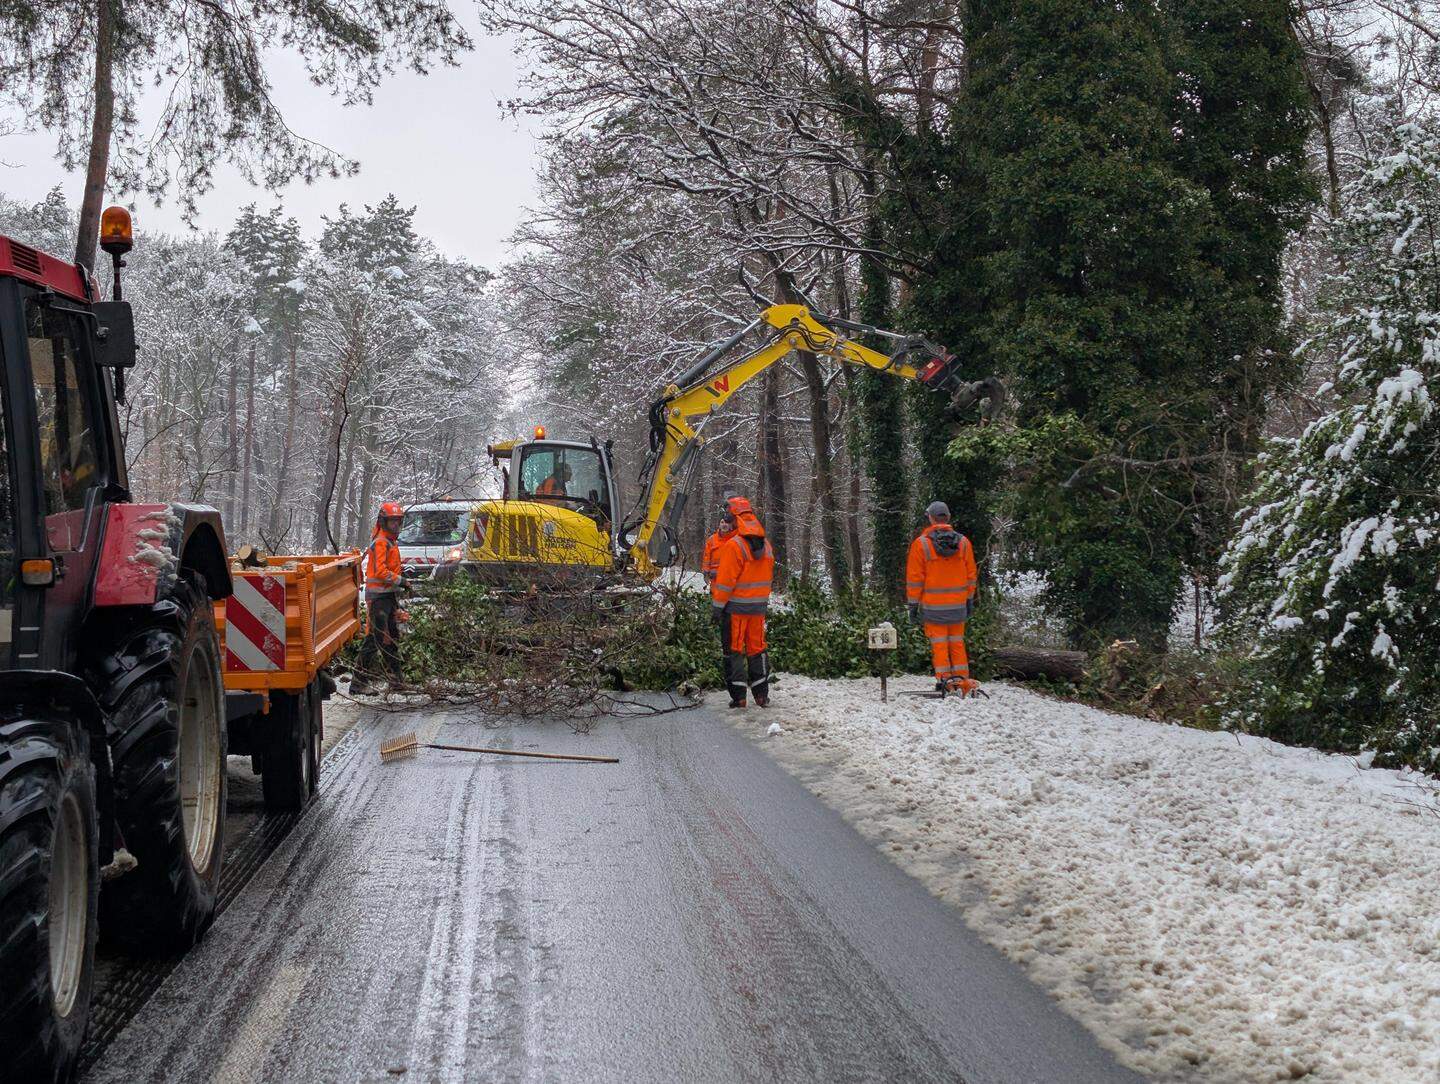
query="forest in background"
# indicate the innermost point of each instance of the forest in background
(1195, 240)
(296, 382)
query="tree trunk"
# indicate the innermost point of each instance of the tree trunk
(101, 126)
(367, 499)
(832, 543)
(325, 491)
(1033, 662)
(232, 459)
(287, 447)
(245, 512)
(852, 469)
(807, 532)
(773, 465)
(347, 472)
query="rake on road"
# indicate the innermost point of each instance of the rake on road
(409, 745)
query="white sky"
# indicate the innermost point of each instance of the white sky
(438, 142)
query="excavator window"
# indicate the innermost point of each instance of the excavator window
(574, 477)
(69, 459)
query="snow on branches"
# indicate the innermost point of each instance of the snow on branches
(1335, 570)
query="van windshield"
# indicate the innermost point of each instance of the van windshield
(435, 527)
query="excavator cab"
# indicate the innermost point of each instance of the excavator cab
(559, 509)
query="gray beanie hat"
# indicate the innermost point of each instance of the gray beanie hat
(938, 510)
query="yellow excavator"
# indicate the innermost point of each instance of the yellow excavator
(561, 506)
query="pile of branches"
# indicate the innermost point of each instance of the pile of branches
(548, 645)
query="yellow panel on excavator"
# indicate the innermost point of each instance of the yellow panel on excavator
(536, 533)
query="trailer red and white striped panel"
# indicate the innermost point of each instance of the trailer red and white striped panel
(255, 624)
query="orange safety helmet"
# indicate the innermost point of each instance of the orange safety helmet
(390, 510)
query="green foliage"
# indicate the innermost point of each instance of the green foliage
(816, 635)
(689, 654)
(1333, 576)
(823, 637)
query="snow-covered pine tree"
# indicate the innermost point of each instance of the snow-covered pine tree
(1334, 575)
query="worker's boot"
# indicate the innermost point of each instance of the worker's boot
(735, 683)
(758, 676)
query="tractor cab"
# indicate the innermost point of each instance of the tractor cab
(559, 508)
(60, 453)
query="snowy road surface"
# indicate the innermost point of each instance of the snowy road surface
(1215, 908)
(691, 914)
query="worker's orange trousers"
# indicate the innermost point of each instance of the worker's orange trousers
(747, 633)
(747, 667)
(947, 651)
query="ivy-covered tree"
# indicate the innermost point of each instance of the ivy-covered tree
(1092, 261)
(1335, 574)
(1240, 114)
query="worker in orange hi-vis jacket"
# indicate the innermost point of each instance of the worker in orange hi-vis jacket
(556, 485)
(382, 600)
(740, 597)
(710, 559)
(940, 579)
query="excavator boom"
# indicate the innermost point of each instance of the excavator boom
(678, 418)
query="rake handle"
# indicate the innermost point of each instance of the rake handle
(522, 753)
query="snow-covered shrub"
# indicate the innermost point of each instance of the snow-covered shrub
(1333, 575)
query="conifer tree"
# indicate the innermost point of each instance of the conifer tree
(1335, 574)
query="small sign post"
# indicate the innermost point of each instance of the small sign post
(883, 641)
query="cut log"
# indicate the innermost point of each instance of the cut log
(1033, 662)
(250, 557)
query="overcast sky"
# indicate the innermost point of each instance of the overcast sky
(438, 142)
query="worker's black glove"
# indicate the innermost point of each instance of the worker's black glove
(718, 613)
(914, 613)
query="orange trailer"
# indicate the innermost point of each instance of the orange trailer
(280, 628)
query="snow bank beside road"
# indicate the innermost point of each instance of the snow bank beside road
(1213, 909)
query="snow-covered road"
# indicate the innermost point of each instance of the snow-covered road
(1212, 907)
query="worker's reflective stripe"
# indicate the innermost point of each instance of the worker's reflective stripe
(749, 605)
(724, 586)
(752, 583)
(914, 583)
(946, 615)
(929, 547)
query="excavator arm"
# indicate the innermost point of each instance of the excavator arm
(679, 417)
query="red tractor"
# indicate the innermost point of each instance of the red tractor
(112, 712)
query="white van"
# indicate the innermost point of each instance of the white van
(431, 533)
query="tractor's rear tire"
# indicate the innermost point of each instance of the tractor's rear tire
(49, 890)
(287, 775)
(161, 685)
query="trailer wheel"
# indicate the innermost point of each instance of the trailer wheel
(288, 775)
(49, 890)
(161, 685)
(317, 734)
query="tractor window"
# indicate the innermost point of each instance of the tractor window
(69, 464)
(571, 476)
